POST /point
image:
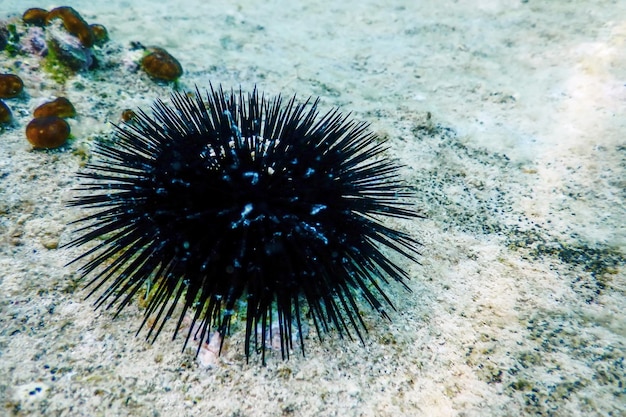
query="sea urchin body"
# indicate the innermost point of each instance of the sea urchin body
(236, 199)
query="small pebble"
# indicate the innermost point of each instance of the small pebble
(47, 132)
(159, 64)
(73, 23)
(5, 113)
(10, 85)
(61, 107)
(50, 242)
(35, 16)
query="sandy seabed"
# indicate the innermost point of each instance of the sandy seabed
(510, 119)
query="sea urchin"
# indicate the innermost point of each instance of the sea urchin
(241, 200)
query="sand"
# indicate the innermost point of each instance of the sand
(509, 117)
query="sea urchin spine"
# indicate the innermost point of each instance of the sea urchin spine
(243, 198)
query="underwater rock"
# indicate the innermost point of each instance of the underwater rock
(61, 107)
(4, 36)
(10, 85)
(160, 65)
(68, 49)
(47, 132)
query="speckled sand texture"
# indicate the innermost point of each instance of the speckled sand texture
(510, 117)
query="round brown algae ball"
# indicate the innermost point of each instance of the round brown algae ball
(128, 115)
(5, 113)
(73, 23)
(100, 34)
(47, 132)
(10, 85)
(61, 107)
(159, 64)
(35, 16)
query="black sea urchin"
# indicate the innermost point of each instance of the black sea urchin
(243, 198)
